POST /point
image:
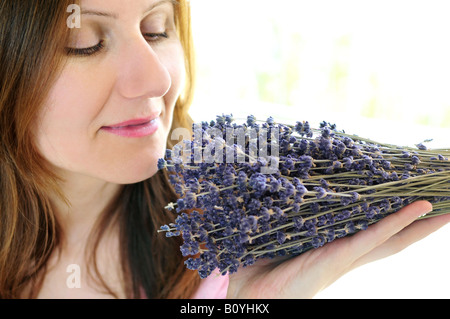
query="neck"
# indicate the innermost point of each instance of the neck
(87, 198)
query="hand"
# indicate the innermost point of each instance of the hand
(307, 274)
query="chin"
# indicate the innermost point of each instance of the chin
(139, 170)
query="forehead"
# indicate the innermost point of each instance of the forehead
(116, 9)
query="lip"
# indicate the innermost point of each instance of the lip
(135, 128)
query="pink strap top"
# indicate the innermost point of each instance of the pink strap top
(214, 286)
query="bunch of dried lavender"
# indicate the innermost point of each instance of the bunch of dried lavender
(326, 185)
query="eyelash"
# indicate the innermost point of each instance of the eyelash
(151, 37)
(85, 51)
(156, 37)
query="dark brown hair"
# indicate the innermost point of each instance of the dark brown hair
(32, 38)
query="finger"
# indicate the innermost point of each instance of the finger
(365, 241)
(409, 235)
(356, 250)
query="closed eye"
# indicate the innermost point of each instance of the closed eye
(156, 37)
(85, 51)
(151, 37)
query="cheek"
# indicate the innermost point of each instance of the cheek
(76, 99)
(63, 126)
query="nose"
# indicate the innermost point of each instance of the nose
(142, 74)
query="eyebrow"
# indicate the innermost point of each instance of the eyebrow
(114, 16)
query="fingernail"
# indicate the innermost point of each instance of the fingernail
(424, 214)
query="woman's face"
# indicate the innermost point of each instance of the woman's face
(108, 115)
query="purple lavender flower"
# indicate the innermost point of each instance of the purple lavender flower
(327, 185)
